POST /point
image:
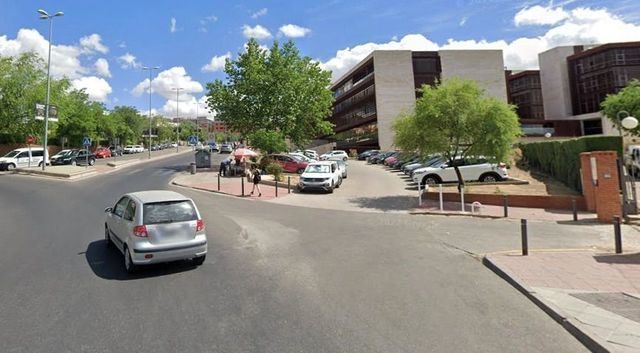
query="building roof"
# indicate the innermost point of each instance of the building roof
(603, 47)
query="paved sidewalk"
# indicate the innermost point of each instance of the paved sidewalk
(596, 296)
(208, 181)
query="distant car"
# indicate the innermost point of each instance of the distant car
(301, 157)
(342, 165)
(58, 156)
(116, 150)
(155, 226)
(472, 169)
(76, 157)
(102, 152)
(324, 175)
(378, 158)
(288, 163)
(366, 154)
(334, 156)
(20, 158)
(129, 149)
(214, 147)
(311, 154)
(226, 148)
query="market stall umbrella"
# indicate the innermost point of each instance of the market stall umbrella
(244, 152)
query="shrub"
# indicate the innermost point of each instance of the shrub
(561, 158)
(274, 169)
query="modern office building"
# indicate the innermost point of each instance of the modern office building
(576, 79)
(370, 96)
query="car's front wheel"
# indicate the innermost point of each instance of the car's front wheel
(490, 178)
(431, 180)
(199, 260)
(73, 162)
(92, 161)
(344, 159)
(129, 266)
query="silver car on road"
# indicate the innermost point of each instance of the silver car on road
(155, 226)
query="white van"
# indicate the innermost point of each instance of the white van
(20, 158)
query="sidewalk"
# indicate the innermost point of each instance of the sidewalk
(595, 296)
(208, 181)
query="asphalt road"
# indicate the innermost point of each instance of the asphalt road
(277, 279)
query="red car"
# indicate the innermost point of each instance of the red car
(102, 152)
(289, 163)
(390, 160)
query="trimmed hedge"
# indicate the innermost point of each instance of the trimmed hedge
(561, 158)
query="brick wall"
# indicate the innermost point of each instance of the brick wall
(533, 201)
(6, 148)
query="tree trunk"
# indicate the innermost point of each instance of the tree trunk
(460, 179)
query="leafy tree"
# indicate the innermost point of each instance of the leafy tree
(628, 99)
(268, 141)
(455, 120)
(129, 124)
(276, 90)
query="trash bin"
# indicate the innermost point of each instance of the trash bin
(192, 168)
(203, 159)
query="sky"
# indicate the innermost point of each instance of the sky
(102, 46)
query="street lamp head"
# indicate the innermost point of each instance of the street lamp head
(43, 13)
(58, 14)
(629, 123)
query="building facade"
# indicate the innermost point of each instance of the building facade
(369, 98)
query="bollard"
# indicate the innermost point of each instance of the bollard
(276, 188)
(617, 233)
(218, 182)
(574, 207)
(525, 240)
(242, 183)
(462, 198)
(441, 203)
(288, 185)
(506, 206)
(192, 168)
(420, 194)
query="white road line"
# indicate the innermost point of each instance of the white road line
(133, 171)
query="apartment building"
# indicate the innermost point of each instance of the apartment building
(370, 96)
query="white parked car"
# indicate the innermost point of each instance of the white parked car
(334, 156)
(129, 149)
(472, 169)
(155, 226)
(311, 154)
(301, 157)
(21, 158)
(324, 176)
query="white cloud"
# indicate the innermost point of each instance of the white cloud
(540, 15)
(205, 21)
(173, 28)
(93, 43)
(102, 67)
(294, 31)
(128, 61)
(96, 88)
(581, 26)
(463, 21)
(166, 80)
(259, 13)
(257, 32)
(65, 59)
(122, 45)
(216, 63)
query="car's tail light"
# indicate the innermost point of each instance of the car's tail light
(199, 225)
(140, 231)
(502, 165)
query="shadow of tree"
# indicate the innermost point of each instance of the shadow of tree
(387, 203)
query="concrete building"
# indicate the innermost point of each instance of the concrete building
(370, 96)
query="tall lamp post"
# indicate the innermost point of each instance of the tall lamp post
(177, 89)
(150, 69)
(628, 122)
(197, 122)
(45, 16)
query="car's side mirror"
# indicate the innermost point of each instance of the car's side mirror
(443, 166)
(108, 210)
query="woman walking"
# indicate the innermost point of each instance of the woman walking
(256, 180)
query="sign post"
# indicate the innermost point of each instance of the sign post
(86, 142)
(116, 143)
(193, 140)
(30, 141)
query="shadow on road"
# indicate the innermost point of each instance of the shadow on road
(387, 203)
(107, 263)
(629, 259)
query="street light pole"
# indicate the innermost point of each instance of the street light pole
(150, 69)
(177, 89)
(628, 123)
(45, 16)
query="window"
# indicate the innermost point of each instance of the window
(36, 153)
(118, 210)
(23, 155)
(130, 212)
(168, 212)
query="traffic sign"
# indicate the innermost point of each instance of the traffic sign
(193, 140)
(86, 141)
(40, 112)
(31, 140)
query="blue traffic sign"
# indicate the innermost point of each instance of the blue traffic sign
(86, 141)
(193, 140)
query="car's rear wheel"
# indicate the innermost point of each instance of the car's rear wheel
(431, 180)
(344, 159)
(490, 178)
(199, 260)
(107, 239)
(129, 266)
(92, 161)
(73, 162)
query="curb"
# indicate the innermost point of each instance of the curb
(467, 214)
(590, 343)
(63, 176)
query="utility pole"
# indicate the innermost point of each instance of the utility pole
(150, 69)
(177, 89)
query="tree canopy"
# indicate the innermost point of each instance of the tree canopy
(628, 99)
(455, 120)
(275, 90)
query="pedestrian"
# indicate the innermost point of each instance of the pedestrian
(223, 168)
(256, 180)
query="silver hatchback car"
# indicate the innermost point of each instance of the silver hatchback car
(155, 226)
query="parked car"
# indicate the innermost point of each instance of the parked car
(342, 165)
(226, 148)
(301, 157)
(288, 163)
(366, 154)
(425, 162)
(380, 157)
(334, 156)
(129, 149)
(472, 169)
(116, 150)
(76, 157)
(58, 156)
(22, 157)
(102, 152)
(155, 226)
(214, 147)
(324, 175)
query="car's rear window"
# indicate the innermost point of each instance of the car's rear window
(168, 212)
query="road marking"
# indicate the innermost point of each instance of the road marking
(133, 171)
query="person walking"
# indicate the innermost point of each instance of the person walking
(257, 177)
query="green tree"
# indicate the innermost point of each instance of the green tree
(268, 141)
(628, 99)
(455, 120)
(129, 124)
(276, 90)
